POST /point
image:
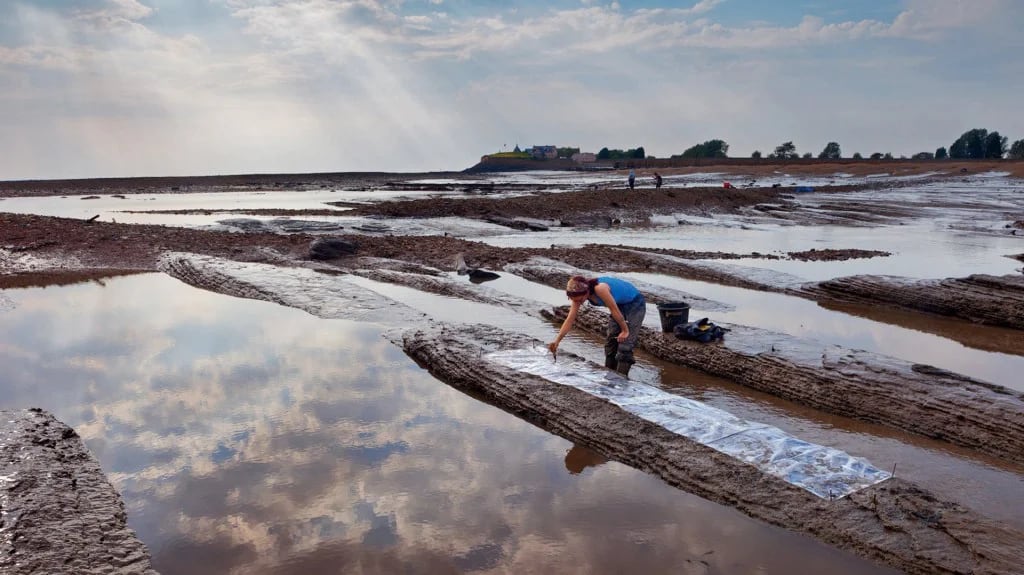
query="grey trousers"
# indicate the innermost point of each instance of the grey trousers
(615, 352)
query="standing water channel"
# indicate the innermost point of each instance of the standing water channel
(246, 437)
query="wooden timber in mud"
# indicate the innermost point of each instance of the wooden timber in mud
(59, 514)
(917, 398)
(982, 299)
(895, 522)
(990, 300)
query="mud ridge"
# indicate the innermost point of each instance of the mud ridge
(58, 512)
(985, 299)
(895, 522)
(920, 399)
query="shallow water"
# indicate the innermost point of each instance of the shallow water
(806, 319)
(260, 439)
(250, 438)
(980, 482)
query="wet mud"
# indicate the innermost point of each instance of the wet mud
(192, 184)
(636, 205)
(895, 522)
(58, 512)
(916, 398)
(984, 299)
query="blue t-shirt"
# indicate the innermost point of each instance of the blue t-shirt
(623, 292)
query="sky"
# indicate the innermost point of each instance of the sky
(118, 88)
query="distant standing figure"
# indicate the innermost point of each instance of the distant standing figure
(657, 180)
(632, 178)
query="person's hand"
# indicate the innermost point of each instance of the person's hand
(553, 347)
(623, 336)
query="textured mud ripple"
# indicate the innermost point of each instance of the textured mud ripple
(992, 300)
(896, 522)
(58, 512)
(916, 398)
(322, 295)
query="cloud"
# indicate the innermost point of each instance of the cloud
(110, 88)
(928, 19)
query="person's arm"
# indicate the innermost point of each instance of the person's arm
(605, 293)
(570, 320)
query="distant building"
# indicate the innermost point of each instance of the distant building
(544, 152)
(584, 157)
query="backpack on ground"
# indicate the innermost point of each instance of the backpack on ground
(703, 331)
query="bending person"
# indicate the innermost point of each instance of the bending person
(627, 307)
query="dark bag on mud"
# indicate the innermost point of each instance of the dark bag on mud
(703, 331)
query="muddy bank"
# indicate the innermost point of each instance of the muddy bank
(58, 512)
(895, 522)
(45, 245)
(917, 398)
(104, 245)
(569, 207)
(187, 184)
(985, 299)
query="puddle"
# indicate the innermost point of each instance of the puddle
(263, 439)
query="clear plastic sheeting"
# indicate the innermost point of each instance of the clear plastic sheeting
(824, 471)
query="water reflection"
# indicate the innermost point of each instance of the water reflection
(251, 438)
(579, 458)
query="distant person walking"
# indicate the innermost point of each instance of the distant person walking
(657, 180)
(632, 178)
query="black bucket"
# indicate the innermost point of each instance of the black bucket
(673, 314)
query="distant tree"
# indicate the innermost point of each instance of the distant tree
(784, 151)
(887, 156)
(923, 156)
(808, 156)
(606, 154)
(970, 145)
(941, 153)
(857, 156)
(995, 146)
(1017, 150)
(709, 149)
(757, 153)
(876, 156)
(567, 152)
(831, 152)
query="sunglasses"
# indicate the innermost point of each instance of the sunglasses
(577, 293)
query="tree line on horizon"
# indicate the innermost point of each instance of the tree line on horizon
(978, 143)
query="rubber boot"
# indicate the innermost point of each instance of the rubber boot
(623, 369)
(610, 362)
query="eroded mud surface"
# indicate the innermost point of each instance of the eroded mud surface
(58, 512)
(895, 522)
(978, 298)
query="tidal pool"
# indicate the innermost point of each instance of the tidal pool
(246, 437)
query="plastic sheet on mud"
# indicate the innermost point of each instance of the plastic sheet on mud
(824, 471)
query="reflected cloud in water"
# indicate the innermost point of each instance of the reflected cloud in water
(250, 438)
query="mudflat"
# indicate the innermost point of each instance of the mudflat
(908, 527)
